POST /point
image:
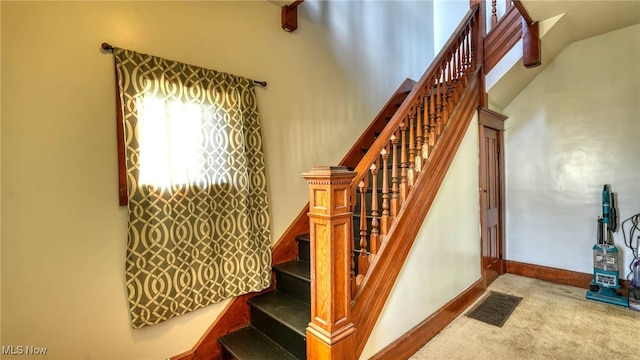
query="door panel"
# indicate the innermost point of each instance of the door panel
(490, 202)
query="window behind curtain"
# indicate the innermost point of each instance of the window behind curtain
(173, 145)
(197, 197)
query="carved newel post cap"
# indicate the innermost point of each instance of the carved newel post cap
(327, 171)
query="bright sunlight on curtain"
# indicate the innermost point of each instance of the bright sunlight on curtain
(198, 210)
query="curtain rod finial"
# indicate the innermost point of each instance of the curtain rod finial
(106, 46)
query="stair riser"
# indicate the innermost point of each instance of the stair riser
(226, 355)
(294, 287)
(284, 336)
(304, 251)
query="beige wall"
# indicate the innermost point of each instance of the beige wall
(63, 234)
(570, 131)
(445, 258)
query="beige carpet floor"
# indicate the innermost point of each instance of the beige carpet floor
(551, 322)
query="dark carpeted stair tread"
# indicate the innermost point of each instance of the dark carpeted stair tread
(292, 313)
(298, 269)
(303, 237)
(251, 344)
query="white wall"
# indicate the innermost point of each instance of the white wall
(63, 232)
(445, 257)
(447, 15)
(572, 130)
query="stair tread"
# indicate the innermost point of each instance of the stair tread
(303, 237)
(251, 344)
(296, 268)
(293, 313)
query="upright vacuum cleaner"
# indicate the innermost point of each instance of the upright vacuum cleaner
(606, 280)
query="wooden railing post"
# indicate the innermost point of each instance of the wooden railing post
(330, 334)
(477, 34)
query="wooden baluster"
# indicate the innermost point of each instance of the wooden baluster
(459, 72)
(352, 249)
(410, 171)
(448, 92)
(463, 52)
(363, 261)
(494, 13)
(471, 47)
(394, 177)
(443, 94)
(331, 333)
(467, 38)
(452, 88)
(463, 62)
(384, 219)
(375, 233)
(457, 64)
(472, 62)
(403, 162)
(418, 159)
(438, 106)
(456, 75)
(463, 55)
(432, 117)
(425, 126)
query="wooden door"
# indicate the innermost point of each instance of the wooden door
(491, 203)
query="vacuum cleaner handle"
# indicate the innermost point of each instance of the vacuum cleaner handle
(600, 231)
(613, 217)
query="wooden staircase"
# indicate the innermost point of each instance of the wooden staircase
(329, 290)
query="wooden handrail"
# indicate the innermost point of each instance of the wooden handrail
(523, 12)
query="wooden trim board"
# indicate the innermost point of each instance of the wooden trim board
(502, 38)
(409, 343)
(560, 276)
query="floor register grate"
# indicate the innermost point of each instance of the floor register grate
(495, 308)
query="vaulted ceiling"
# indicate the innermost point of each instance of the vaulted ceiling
(587, 18)
(561, 23)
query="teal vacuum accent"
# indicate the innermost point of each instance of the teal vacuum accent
(606, 278)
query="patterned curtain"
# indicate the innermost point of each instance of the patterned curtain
(198, 213)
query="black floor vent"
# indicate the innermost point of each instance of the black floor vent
(495, 308)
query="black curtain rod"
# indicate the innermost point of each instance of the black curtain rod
(106, 46)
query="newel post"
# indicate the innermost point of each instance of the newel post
(331, 333)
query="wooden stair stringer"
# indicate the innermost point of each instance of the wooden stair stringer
(385, 268)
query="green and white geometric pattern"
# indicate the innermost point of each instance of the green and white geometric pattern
(196, 242)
